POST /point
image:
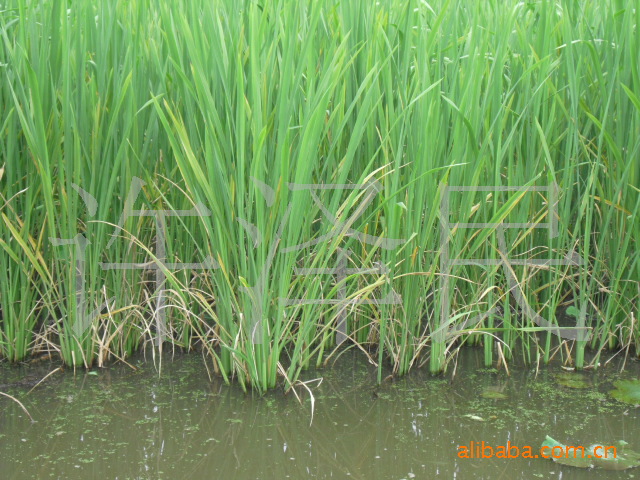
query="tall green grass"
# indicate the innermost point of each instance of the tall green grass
(242, 106)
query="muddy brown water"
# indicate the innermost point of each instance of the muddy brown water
(116, 423)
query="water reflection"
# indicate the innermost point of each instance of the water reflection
(124, 424)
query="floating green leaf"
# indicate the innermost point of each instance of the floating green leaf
(573, 380)
(572, 458)
(621, 458)
(599, 455)
(627, 391)
(493, 394)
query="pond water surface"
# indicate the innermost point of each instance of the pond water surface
(119, 423)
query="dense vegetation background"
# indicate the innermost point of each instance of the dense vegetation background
(234, 111)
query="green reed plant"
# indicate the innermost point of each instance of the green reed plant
(109, 110)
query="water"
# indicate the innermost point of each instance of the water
(126, 424)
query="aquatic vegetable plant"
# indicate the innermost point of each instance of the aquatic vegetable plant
(305, 155)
